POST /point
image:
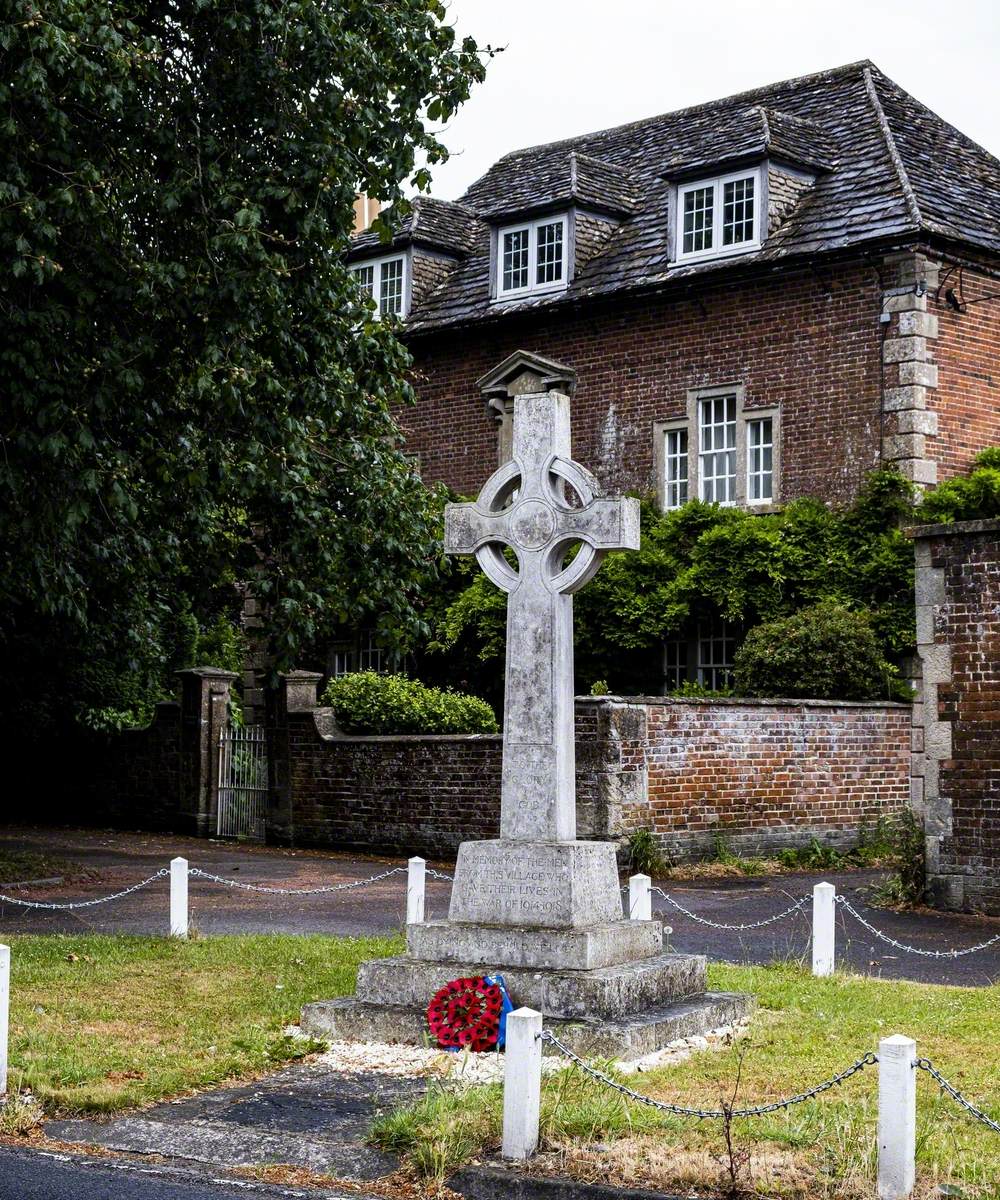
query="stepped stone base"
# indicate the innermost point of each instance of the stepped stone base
(628, 1038)
(585, 949)
(608, 993)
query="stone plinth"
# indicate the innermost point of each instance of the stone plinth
(584, 949)
(544, 885)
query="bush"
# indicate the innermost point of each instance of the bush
(972, 497)
(824, 652)
(365, 702)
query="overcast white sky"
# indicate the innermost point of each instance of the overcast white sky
(574, 66)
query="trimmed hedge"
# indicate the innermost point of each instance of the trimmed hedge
(365, 702)
(824, 652)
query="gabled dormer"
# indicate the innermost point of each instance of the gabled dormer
(729, 196)
(426, 245)
(543, 233)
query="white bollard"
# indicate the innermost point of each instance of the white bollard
(4, 1014)
(640, 899)
(522, 1083)
(824, 939)
(416, 882)
(897, 1117)
(179, 897)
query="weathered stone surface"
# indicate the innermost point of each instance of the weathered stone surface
(608, 992)
(526, 506)
(556, 949)
(631, 1037)
(552, 885)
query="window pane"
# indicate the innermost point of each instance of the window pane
(549, 254)
(716, 650)
(676, 467)
(371, 654)
(391, 300)
(366, 280)
(699, 204)
(760, 459)
(515, 260)
(675, 654)
(737, 211)
(717, 449)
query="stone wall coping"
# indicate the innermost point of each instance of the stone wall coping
(954, 528)
(743, 702)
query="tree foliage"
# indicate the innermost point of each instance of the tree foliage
(699, 563)
(972, 497)
(193, 392)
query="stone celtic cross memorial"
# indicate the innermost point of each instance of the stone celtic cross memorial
(537, 903)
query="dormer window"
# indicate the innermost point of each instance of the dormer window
(384, 280)
(716, 217)
(531, 257)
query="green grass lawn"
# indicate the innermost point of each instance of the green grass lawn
(805, 1030)
(18, 866)
(103, 1023)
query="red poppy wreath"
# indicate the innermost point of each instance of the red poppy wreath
(466, 1014)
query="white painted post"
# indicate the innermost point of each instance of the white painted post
(640, 900)
(416, 881)
(897, 1117)
(824, 939)
(4, 1014)
(179, 897)
(522, 1083)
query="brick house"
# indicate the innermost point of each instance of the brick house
(763, 297)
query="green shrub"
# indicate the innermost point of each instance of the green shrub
(972, 497)
(824, 652)
(645, 854)
(365, 702)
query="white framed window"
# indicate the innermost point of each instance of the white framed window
(760, 460)
(716, 651)
(385, 281)
(371, 656)
(675, 664)
(675, 466)
(718, 216)
(717, 448)
(531, 257)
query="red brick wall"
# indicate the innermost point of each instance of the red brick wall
(810, 344)
(964, 801)
(967, 351)
(762, 774)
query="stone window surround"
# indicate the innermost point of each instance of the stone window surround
(376, 263)
(690, 422)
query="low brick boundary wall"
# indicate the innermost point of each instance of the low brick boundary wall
(956, 734)
(760, 774)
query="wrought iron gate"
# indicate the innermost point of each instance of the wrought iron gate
(242, 782)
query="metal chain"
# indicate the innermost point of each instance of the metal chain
(925, 1064)
(757, 1110)
(717, 925)
(438, 874)
(256, 887)
(891, 941)
(86, 903)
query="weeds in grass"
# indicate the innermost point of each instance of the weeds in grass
(20, 1113)
(754, 865)
(645, 855)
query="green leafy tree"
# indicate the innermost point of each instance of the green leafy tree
(194, 393)
(972, 497)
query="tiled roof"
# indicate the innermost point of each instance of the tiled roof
(441, 224)
(886, 168)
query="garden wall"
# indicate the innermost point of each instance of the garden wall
(956, 734)
(762, 774)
